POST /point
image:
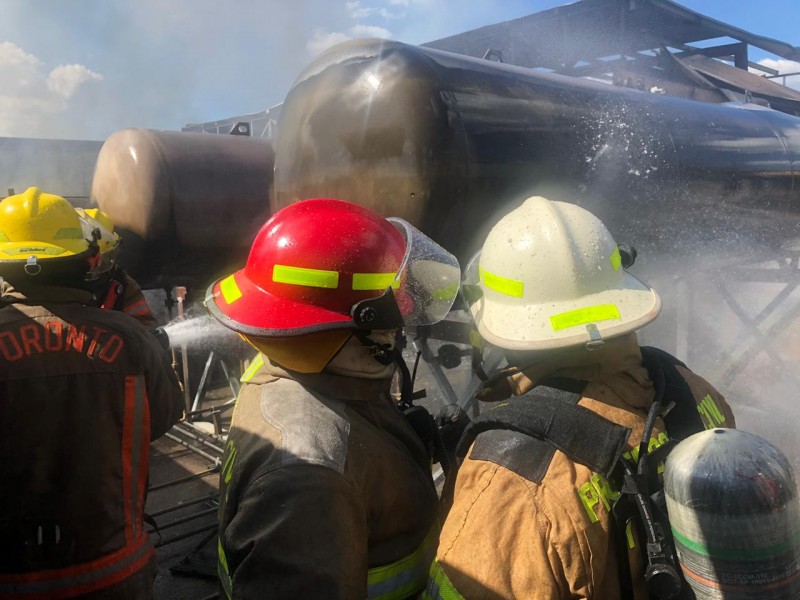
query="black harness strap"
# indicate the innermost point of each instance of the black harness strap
(550, 415)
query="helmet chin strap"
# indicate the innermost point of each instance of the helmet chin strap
(387, 354)
(383, 353)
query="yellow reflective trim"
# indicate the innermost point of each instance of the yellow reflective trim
(446, 293)
(28, 250)
(589, 498)
(257, 363)
(709, 409)
(223, 572)
(616, 259)
(405, 577)
(629, 534)
(230, 291)
(439, 585)
(68, 233)
(302, 276)
(227, 468)
(502, 285)
(375, 281)
(581, 316)
(475, 339)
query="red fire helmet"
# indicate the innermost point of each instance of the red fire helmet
(309, 265)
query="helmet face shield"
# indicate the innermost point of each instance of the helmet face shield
(98, 229)
(427, 282)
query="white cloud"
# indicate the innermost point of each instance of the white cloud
(30, 97)
(357, 11)
(784, 66)
(360, 31)
(64, 80)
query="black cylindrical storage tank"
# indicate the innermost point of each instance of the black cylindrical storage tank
(452, 142)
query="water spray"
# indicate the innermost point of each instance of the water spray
(196, 331)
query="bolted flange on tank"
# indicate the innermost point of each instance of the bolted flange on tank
(734, 514)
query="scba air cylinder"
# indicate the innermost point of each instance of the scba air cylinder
(734, 514)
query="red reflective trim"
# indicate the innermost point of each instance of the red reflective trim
(127, 450)
(144, 460)
(100, 584)
(139, 307)
(68, 572)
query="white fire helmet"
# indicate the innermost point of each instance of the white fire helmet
(551, 276)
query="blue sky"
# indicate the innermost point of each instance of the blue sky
(86, 68)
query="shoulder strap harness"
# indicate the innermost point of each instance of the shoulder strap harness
(585, 437)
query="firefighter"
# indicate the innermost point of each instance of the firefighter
(326, 490)
(84, 391)
(531, 512)
(112, 286)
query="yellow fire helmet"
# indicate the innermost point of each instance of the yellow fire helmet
(36, 228)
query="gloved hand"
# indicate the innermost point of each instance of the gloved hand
(162, 337)
(451, 420)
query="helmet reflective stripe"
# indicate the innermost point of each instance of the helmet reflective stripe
(50, 250)
(68, 233)
(319, 278)
(616, 259)
(230, 291)
(582, 316)
(500, 284)
(375, 281)
(308, 277)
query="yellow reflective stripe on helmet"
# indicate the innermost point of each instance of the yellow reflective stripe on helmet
(439, 585)
(616, 259)
(257, 363)
(308, 277)
(581, 316)
(230, 291)
(374, 281)
(68, 233)
(27, 250)
(405, 577)
(503, 285)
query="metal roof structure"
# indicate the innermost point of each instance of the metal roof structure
(636, 43)
(563, 37)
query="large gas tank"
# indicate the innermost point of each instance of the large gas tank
(451, 143)
(735, 517)
(187, 205)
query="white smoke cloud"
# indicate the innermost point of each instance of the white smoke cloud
(30, 96)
